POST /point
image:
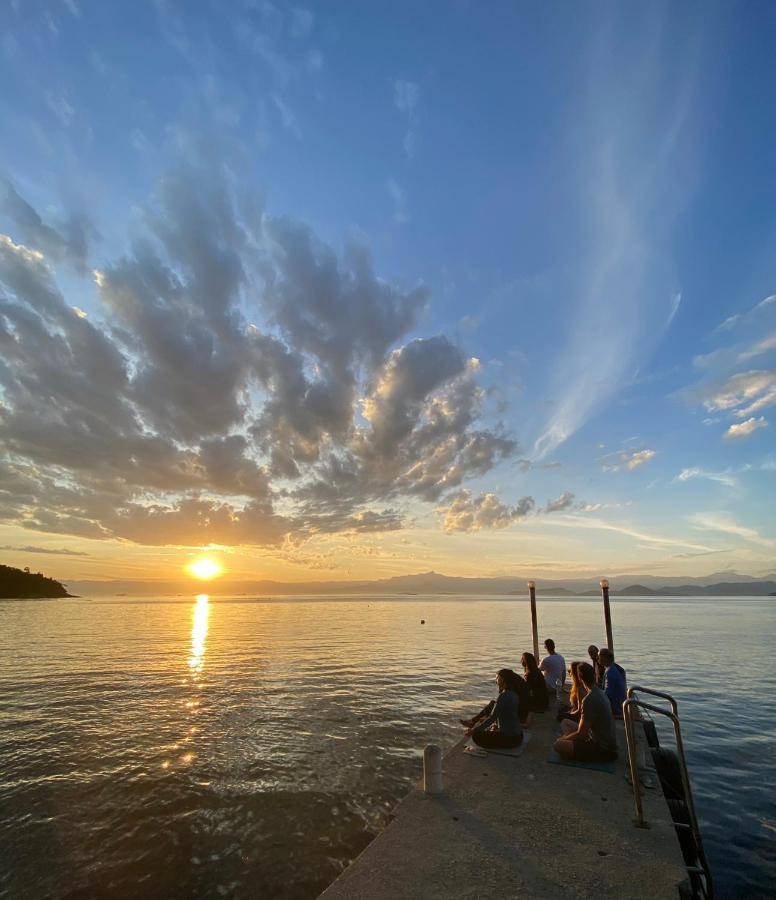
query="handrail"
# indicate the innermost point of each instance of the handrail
(637, 687)
(627, 711)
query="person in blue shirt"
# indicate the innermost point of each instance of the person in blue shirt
(505, 713)
(615, 685)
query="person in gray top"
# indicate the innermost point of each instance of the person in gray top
(594, 739)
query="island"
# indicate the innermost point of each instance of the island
(21, 584)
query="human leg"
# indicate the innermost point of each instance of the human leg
(482, 714)
(494, 740)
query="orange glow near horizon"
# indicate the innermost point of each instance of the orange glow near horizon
(204, 568)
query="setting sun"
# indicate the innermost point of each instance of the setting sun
(204, 568)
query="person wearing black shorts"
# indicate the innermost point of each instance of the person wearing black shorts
(594, 738)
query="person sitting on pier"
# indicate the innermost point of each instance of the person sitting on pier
(615, 684)
(594, 738)
(553, 666)
(573, 709)
(504, 712)
(592, 652)
(537, 686)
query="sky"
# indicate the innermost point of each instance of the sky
(357, 290)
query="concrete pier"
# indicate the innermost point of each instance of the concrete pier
(520, 827)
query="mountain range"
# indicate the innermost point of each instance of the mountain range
(722, 584)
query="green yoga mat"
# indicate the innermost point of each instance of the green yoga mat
(595, 766)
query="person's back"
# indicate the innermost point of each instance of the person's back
(537, 687)
(597, 712)
(553, 666)
(507, 713)
(614, 682)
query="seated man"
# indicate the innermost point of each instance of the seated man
(592, 652)
(553, 666)
(615, 686)
(594, 739)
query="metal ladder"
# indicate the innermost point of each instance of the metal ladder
(678, 796)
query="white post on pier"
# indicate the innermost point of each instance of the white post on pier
(534, 625)
(432, 769)
(607, 613)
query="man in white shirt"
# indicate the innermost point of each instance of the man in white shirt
(553, 666)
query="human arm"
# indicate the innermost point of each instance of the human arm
(484, 724)
(582, 729)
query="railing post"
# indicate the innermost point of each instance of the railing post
(534, 625)
(607, 613)
(630, 740)
(432, 769)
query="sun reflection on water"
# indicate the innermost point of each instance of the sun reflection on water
(199, 625)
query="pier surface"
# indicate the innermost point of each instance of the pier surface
(520, 827)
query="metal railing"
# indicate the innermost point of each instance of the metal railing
(702, 869)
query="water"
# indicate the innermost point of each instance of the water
(241, 749)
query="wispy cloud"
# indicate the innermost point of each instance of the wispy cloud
(406, 98)
(51, 551)
(764, 345)
(584, 522)
(726, 478)
(626, 459)
(719, 521)
(625, 292)
(745, 429)
(399, 199)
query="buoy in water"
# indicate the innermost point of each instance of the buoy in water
(422, 621)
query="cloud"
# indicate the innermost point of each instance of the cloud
(406, 98)
(62, 551)
(406, 95)
(287, 117)
(241, 384)
(764, 345)
(584, 522)
(626, 459)
(469, 513)
(623, 286)
(399, 199)
(565, 501)
(717, 521)
(725, 478)
(742, 394)
(68, 241)
(744, 429)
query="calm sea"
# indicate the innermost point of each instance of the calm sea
(249, 748)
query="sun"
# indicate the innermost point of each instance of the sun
(204, 568)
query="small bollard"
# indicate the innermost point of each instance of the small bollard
(432, 769)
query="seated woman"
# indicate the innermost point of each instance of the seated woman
(504, 714)
(537, 686)
(573, 709)
(594, 738)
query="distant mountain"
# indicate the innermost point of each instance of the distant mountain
(435, 583)
(21, 584)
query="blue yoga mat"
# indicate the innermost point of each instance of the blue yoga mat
(595, 766)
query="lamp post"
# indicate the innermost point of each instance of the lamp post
(534, 626)
(607, 613)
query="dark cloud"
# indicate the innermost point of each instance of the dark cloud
(67, 242)
(565, 501)
(241, 384)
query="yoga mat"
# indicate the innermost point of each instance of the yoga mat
(595, 766)
(515, 751)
